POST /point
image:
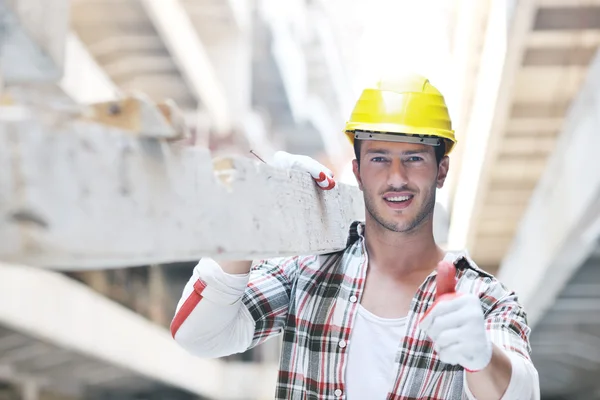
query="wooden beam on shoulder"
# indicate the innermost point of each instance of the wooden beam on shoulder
(83, 195)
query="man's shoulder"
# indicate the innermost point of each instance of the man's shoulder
(464, 263)
(476, 280)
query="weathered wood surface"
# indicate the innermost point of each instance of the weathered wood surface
(33, 39)
(79, 195)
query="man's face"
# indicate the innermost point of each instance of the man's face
(399, 182)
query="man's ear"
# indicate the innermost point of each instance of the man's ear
(443, 171)
(356, 171)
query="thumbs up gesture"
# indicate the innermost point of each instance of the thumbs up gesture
(455, 323)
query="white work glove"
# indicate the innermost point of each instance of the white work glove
(456, 325)
(322, 175)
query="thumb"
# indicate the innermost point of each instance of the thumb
(446, 279)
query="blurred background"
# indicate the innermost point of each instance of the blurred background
(521, 79)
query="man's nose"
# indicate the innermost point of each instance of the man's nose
(397, 176)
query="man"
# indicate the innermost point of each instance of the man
(392, 316)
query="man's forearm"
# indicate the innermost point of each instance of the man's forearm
(492, 381)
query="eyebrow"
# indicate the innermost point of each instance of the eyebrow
(387, 152)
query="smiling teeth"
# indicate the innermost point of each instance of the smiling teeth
(399, 198)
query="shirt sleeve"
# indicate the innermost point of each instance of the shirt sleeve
(506, 321)
(524, 380)
(267, 297)
(221, 314)
(506, 324)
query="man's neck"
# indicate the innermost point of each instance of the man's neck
(400, 254)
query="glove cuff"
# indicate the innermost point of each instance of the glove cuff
(481, 361)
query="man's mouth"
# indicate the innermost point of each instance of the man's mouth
(398, 199)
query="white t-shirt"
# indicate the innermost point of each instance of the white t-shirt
(372, 350)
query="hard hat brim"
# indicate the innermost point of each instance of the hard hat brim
(447, 135)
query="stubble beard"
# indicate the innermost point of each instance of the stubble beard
(408, 227)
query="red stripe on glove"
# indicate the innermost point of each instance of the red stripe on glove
(186, 309)
(322, 177)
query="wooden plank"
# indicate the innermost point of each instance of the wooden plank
(32, 46)
(137, 114)
(80, 195)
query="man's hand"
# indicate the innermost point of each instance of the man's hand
(455, 323)
(321, 175)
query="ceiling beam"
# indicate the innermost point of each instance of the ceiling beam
(575, 38)
(528, 146)
(467, 42)
(561, 225)
(539, 84)
(502, 52)
(181, 39)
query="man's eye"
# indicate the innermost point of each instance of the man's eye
(378, 159)
(415, 159)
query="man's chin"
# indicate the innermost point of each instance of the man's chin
(402, 225)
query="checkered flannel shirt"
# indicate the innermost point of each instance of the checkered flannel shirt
(313, 301)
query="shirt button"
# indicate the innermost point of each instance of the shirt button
(342, 344)
(338, 393)
(353, 299)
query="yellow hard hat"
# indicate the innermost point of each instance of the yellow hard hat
(408, 108)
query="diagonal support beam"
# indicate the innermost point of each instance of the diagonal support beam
(561, 226)
(181, 39)
(84, 80)
(86, 196)
(288, 54)
(32, 40)
(51, 307)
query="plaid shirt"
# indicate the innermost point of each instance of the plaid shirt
(313, 301)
